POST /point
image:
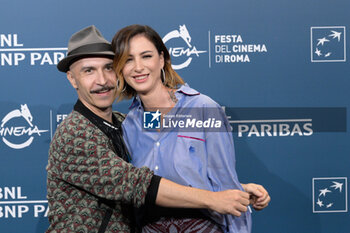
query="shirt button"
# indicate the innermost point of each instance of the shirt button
(158, 143)
(156, 168)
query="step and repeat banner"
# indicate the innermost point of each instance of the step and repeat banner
(280, 69)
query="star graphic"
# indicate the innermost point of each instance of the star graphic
(155, 115)
(335, 35)
(318, 52)
(329, 205)
(319, 203)
(322, 41)
(324, 191)
(328, 54)
(337, 185)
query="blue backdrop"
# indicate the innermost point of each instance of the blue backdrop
(279, 68)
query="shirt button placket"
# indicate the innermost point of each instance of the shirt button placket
(156, 167)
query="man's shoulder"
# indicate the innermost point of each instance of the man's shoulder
(73, 118)
(76, 127)
(74, 123)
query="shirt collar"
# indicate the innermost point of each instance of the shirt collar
(184, 89)
(136, 102)
(112, 130)
(96, 120)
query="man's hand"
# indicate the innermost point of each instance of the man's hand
(259, 197)
(230, 202)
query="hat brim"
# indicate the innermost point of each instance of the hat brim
(66, 62)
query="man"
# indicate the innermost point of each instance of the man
(91, 186)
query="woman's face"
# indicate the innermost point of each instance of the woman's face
(143, 67)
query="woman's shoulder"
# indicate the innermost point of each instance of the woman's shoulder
(197, 98)
(203, 100)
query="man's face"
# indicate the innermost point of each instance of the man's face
(95, 81)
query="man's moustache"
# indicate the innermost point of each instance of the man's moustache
(106, 88)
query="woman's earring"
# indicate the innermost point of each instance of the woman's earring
(163, 76)
(118, 83)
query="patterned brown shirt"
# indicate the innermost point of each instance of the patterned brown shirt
(82, 170)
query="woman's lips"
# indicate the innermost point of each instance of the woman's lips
(140, 78)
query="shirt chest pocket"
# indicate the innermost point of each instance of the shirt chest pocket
(191, 155)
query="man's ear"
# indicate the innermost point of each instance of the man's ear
(71, 79)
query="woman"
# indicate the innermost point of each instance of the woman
(197, 158)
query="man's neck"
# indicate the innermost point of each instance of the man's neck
(105, 113)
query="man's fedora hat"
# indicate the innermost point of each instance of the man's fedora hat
(87, 42)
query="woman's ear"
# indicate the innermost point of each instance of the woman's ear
(161, 57)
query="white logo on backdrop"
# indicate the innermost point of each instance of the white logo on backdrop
(330, 195)
(328, 44)
(181, 51)
(19, 131)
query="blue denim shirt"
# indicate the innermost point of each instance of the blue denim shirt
(196, 158)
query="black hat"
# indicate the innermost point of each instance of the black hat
(85, 43)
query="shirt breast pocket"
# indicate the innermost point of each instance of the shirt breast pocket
(191, 159)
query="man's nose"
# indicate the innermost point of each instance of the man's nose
(101, 77)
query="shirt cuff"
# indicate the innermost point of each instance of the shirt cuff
(152, 190)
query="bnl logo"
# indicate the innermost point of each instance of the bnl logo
(330, 195)
(151, 120)
(328, 44)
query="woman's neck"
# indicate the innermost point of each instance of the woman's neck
(160, 98)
